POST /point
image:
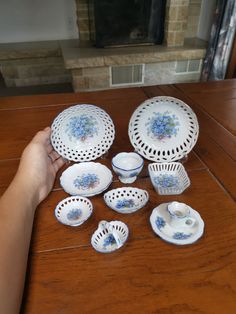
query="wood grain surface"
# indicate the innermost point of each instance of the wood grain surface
(147, 275)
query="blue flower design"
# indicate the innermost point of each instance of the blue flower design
(74, 214)
(166, 181)
(125, 203)
(160, 222)
(181, 236)
(134, 174)
(82, 127)
(110, 240)
(86, 181)
(163, 125)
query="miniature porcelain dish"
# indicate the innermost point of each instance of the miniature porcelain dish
(127, 166)
(73, 211)
(109, 236)
(86, 179)
(163, 129)
(82, 133)
(179, 229)
(126, 200)
(168, 178)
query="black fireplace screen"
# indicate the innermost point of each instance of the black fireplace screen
(127, 22)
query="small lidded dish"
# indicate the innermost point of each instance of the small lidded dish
(127, 166)
(168, 178)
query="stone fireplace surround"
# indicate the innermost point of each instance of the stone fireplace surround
(91, 67)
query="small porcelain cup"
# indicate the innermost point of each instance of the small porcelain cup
(127, 166)
(180, 215)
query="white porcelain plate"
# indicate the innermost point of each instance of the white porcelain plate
(168, 178)
(160, 222)
(109, 236)
(126, 200)
(86, 179)
(82, 133)
(163, 129)
(73, 210)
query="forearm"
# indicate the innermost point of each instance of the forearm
(17, 207)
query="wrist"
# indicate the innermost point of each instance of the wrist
(25, 191)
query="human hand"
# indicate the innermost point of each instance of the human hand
(38, 166)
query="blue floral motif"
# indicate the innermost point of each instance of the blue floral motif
(134, 174)
(110, 240)
(160, 222)
(82, 127)
(125, 203)
(163, 125)
(166, 181)
(74, 214)
(181, 236)
(86, 181)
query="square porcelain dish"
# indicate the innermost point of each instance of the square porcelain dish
(168, 178)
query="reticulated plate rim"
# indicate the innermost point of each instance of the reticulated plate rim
(163, 129)
(82, 132)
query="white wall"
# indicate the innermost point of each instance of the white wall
(36, 20)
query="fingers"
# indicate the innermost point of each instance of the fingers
(58, 163)
(43, 137)
(53, 155)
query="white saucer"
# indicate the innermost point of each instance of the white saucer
(86, 179)
(160, 222)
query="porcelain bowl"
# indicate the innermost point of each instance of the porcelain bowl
(168, 178)
(126, 200)
(127, 166)
(73, 211)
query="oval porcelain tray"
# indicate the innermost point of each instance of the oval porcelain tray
(73, 211)
(163, 129)
(109, 236)
(168, 178)
(86, 179)
(126, 200)
(82, 133)
(160, 222)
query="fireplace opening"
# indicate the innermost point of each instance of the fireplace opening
(126, 22)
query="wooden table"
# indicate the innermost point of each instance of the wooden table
(147, 275)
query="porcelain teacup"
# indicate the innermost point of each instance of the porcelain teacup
(180, 214)
(127, 166)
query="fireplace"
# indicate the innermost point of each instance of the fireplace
(122, 22)
(139, 59)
